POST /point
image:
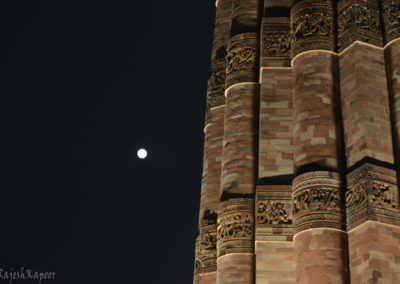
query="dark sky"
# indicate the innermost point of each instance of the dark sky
(83, 85)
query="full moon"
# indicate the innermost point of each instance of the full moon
(142, 153)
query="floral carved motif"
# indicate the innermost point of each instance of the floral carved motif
(357, 195)
(382, 196)
(315, 199)
(391, 13)
(235, 226)
(274, 213)
(310, 24)
(209, 241)
(360, 16)
(276, 42)
(377, 193)
(240, 58)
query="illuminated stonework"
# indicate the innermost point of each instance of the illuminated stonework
(302, 144)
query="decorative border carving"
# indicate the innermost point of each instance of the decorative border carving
(317, 201)
(391, 18)
(208, 246)
(358, 20)
(216, 86)
(312, 26)
(235, 229)
(274, 213)
(276, 42)
(242, 59)
(372, 195)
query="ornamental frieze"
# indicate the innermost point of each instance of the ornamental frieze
(356, 196)
(372, 195)
(274, 212)
(237, 225)
(312, 26)
(315, 199)
(358, 21)
(378, 194)
(235, 229)
(240, 58)
(391, 18)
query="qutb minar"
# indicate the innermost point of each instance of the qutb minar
(301, 152)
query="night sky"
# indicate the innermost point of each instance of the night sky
(84, 85)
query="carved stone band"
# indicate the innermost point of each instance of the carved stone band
(274, 213)
(241, 61)
(312, 26)
(317, 201)
(359, 20)
(235, 226)
(391, 18)
(276, 42)
(372, 194)
(208, 247)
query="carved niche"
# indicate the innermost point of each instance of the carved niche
(391, 18)
(235, 226)
(276, 42)
(241, 60)
(312, 26)
(358, 20)
(317, 201)
(274, 213)
(372, 195)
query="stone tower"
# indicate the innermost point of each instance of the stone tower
(301, 153)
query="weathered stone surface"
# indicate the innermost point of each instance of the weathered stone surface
(374, 253)
(211, 182)
(392, 57)
(321, 257)
(239, 144)
(275, 262)
(365, 104)
(275, 148)
(316, 126)
(236, 268)
(208, 278)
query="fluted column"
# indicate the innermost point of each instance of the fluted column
(235, 242)
(206, 252)
(319, 221)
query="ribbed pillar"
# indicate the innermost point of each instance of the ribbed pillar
(206, 252)
(392, 57)
(319, 221)
(235, 242)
